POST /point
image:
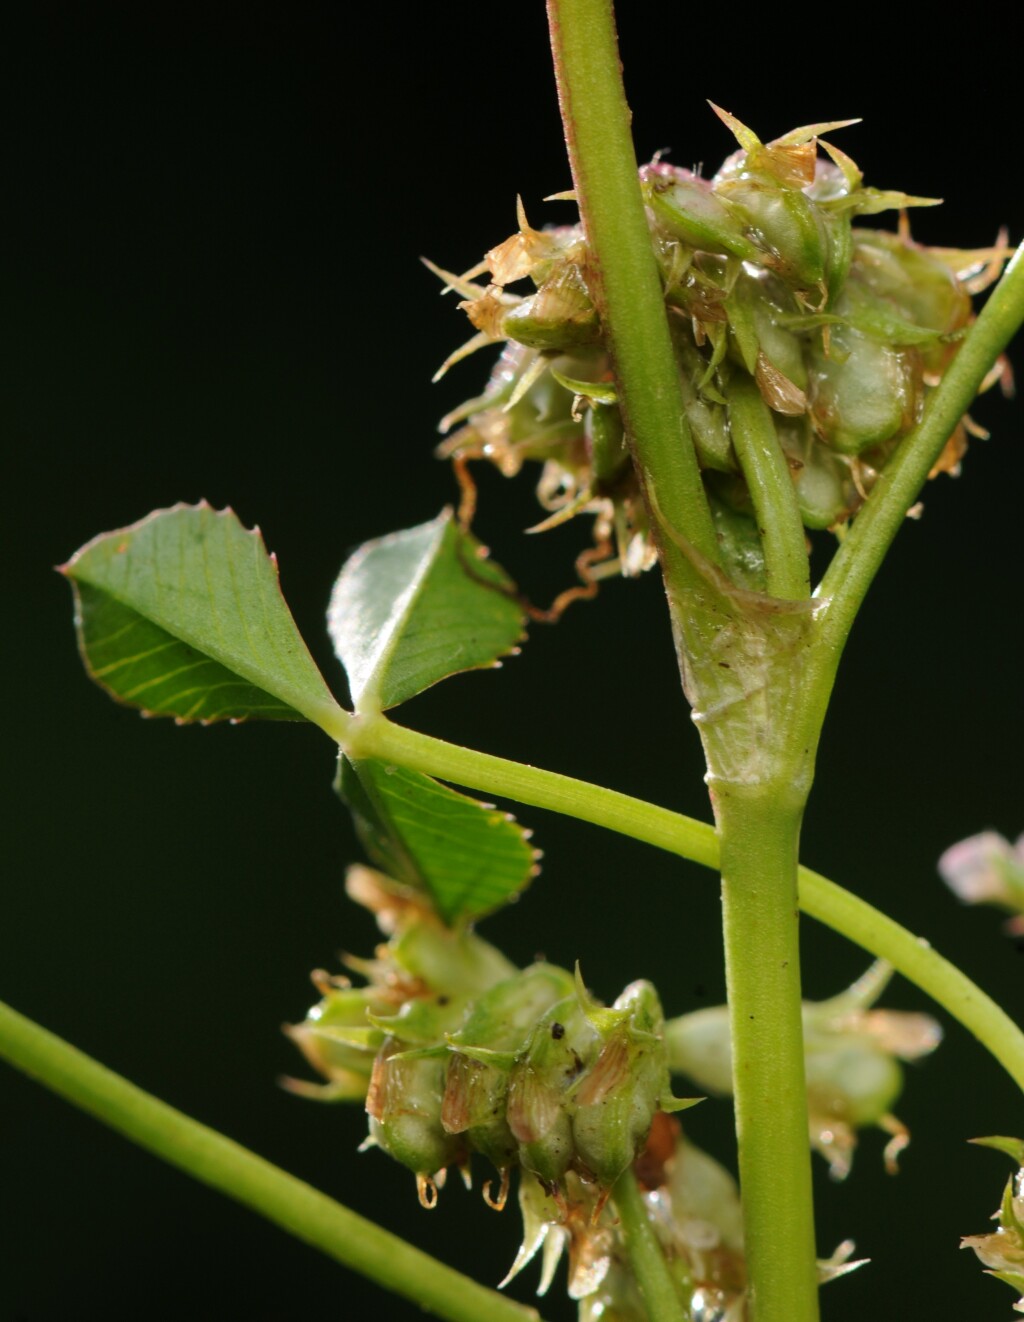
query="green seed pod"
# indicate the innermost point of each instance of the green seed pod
(708, 423)
(615, 1101)
(862, 393)
(559, 1049)
(686, 206)
(404, 1105)
(852, 1055)
(476, 1088)
(758, 306)
(737, 534)
(699, 1045)
(825, 490)
(853, 1082)
(558, 316)
(606, 444)
(784, 223)
(459, 963)
(473, 1105)
(919, 288)
(617, 1299)
(338, 1042)
(701, 1189)
(425, 1020)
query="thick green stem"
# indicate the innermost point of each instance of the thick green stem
(623, 278)
(645, 1255)
(759, 846)
(627, 293)
(217, 1161)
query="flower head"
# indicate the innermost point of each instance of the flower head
(845, 331)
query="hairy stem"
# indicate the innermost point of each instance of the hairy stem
(759, 845)
(819, 898)
(645, 1255)
(231, 1169)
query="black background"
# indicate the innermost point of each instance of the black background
(211, 289)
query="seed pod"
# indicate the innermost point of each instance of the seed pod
(476, 1088)
(706, 416)
(558, 316)
(615, 1101)
(606, 445)
(687, 207)
(337, 1040)
(921, 289)
(737, 532)
(825, 490)
(458, 962)
(784, 224)
(851, 1052)
(559, 1049)
(862, 393)
(404, 1105)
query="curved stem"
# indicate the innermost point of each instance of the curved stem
(622, 813)
(231, 1169)
(771, 489)
(645, 1255)
(688, 838)
(914, 957)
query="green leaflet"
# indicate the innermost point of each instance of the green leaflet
(414, 607)
(468, 858)
(181, 615)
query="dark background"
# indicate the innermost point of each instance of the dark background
(211, 289)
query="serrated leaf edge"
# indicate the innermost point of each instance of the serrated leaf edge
(325, 713)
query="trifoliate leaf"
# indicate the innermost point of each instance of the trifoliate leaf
(466, 857)
(181, 615)
(417, 606)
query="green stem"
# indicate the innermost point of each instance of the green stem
(645, 1256)
(628, 296)
(697, 841)
(856, 562)
(914, 957)
(217, 1161)
(623, 276)
(771, 489)
(759, 846)
(377, 737)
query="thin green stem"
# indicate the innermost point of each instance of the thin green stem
(221, 1163)
(645, 1256)
(661, 827)
(771, 489)
(697, 841)
(623, 278)
(914, 957)
(855, 564)
(759, 845)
